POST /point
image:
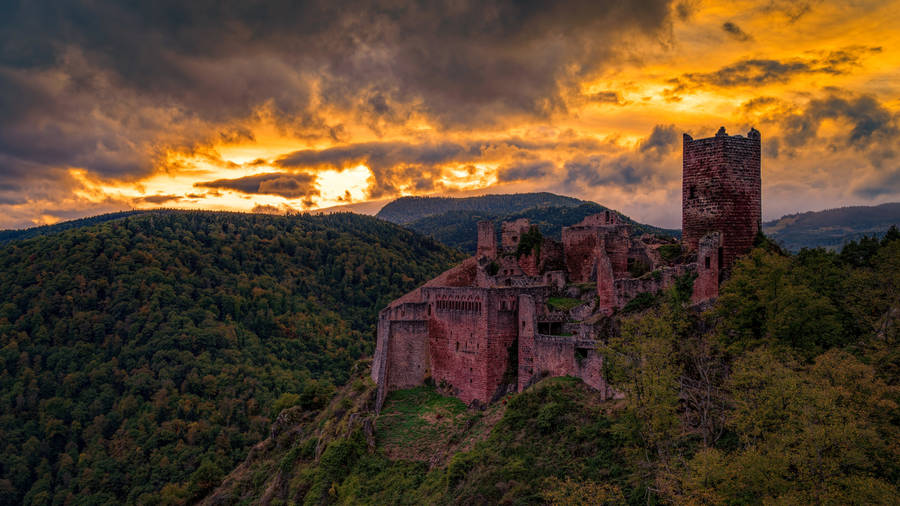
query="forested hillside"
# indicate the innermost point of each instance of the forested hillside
(458, 228)
(142, 357)
(832, 228)
(785, 391)
(409, 209)
(27, 233)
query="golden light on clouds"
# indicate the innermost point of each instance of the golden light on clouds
(576, 101)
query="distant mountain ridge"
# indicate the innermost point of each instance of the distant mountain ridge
(457, 228)
(832, 228)
(406, 210)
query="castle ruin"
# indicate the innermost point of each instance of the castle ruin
(530, 306)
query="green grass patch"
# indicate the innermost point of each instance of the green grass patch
(563, 303)
(419, 418)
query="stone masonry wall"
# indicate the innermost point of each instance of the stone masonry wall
(721, 192)
(579, 245)
(565, 356)
(511, 231)
(706, 286)
(487, 240)
(527, 322)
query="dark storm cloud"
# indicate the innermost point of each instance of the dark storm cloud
(883, 184)
(105, 85)
(735, 31)
(645, 166)
(758, 72)
(395, 164)
(524, 171)
(869, 122)
(158, 199)
(291, 186)
(661, 141)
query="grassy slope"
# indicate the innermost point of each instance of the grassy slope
(432, 450)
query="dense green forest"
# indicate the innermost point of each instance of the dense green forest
(27, 233)
(458, 228)
(406, 210)
(785, 391)
(142, 357)
(832, 228)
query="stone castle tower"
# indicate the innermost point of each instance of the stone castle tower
(721, 193)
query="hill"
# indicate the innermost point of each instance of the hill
(27, 233)
(457, 228)
(140, 355)
(785, 391)
(832, 228)
(407, 210)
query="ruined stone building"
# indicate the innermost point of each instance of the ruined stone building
(530, 306)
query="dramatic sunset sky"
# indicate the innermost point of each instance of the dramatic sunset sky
(111, 105)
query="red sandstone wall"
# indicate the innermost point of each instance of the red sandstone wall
(511, 231)
(487, 240)
(617, 245)
(556, 356)
(606, 285)
(529, 264)
(407, 354)
(470, 331)
(706, 286)
(579, 245)
(501, 337)
(721, 191)
(526, 329)
(456, 333)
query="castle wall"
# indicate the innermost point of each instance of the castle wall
(527, 330)
(579, 245)
(706, 286)
(565, 356)
(487, 240)
(529, 264)
(552, 256)
(470, 331)
(607, 298)
(500, 357)
(511, 231)
(721, 192)
(629, 288)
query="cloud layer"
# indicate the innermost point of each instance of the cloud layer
(110, 104)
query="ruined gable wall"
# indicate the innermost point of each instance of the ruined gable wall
(629, 288)
(529, 264)
(721, 191)
(552, 256)
(511, 231)
(487, 240)
(617, 243)
(565, 356)
(579, 245)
